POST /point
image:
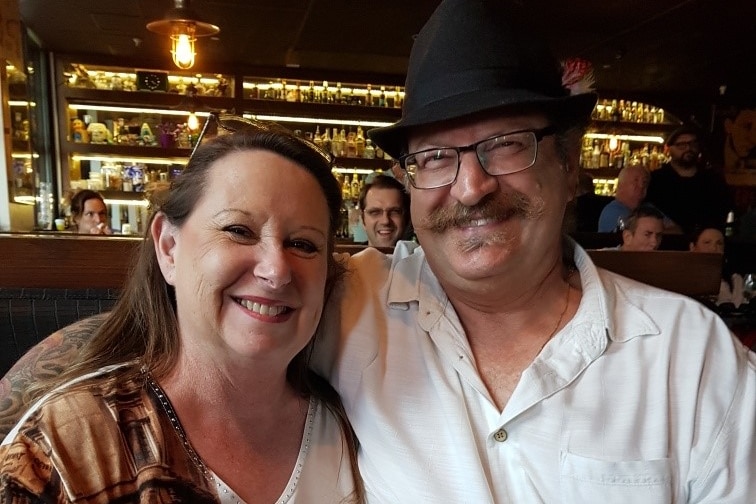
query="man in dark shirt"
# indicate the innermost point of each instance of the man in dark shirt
(687, 193)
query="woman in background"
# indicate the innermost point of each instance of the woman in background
(89, 213)
(713, 241)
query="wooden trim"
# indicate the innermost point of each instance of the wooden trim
(70, 261)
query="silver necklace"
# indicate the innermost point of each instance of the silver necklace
(165, 404)
(171, 414)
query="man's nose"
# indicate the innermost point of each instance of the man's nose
(472, 183)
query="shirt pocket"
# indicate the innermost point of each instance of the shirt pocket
(585, 480)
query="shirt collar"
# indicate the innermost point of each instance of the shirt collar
(607, 308)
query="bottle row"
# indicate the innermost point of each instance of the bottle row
(608, 154)
(116, 176)
(627, 111)
(309, 92)
(134, 131)
(346, 145)
(112, 79)
(255, 88)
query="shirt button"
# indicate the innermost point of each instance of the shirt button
(500, 435)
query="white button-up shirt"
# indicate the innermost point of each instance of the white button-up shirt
(643, 397)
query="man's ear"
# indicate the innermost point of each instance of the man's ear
(164, 237)
(627, 235)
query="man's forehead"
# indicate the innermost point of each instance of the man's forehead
(686, 137)
(382, 193)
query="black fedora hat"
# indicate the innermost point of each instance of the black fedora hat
(474, 56)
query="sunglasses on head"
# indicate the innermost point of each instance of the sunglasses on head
(225, 124)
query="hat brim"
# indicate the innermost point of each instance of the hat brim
(393, 139)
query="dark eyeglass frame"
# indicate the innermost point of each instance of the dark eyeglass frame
(538, 134)
(225, 122)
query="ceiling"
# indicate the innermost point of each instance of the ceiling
(665, 48)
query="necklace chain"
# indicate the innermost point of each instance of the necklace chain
(559, 320)
(165, 404)
(209, 476)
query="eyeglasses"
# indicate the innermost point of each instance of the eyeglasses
(226, 124)
(498, 155)
(693, 144)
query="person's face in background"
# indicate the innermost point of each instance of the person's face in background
(94, 213)
(632, 186)
(710, 240)
(647, 235)
(383, 217)
(685, 150)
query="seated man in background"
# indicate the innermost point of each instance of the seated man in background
(643, 230)
(384, 205)
(632, 183)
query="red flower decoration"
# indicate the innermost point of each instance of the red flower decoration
(577, 76)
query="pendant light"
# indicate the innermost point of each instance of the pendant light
(181, 25)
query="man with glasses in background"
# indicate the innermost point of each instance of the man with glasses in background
(384, 206)
(689, 193)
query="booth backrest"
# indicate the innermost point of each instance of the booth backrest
(29, 315)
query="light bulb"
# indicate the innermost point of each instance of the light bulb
(613, 143)
(183, 50)
(184, 53)
(192, 122)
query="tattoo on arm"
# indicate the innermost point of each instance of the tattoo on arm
(45, 360)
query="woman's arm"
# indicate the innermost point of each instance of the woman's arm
(45, 360)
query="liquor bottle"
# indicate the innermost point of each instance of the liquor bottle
(595, 155)
(335, 143)
(346, 188)
(639, 113)
(351, 145)
(399, 100)
(316, 138)
(644, 156)
(359, 142)
(616, 113)
(338, 97)
(327, 94)
(390, 99)
(382, 97)
(730, 225)
(369, 96)
(342, 143)
(604, 155)
(355, 187)
(369, 150)
(660, 115)
(326, 141)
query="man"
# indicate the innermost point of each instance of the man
(643, 229)
(632, 183)
(496, 363)
(690, 195)
(384, 206)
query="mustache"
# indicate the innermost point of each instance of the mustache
(458, 215)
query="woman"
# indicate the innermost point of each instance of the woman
(731, 287)
(196, 388)
(89, 213)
